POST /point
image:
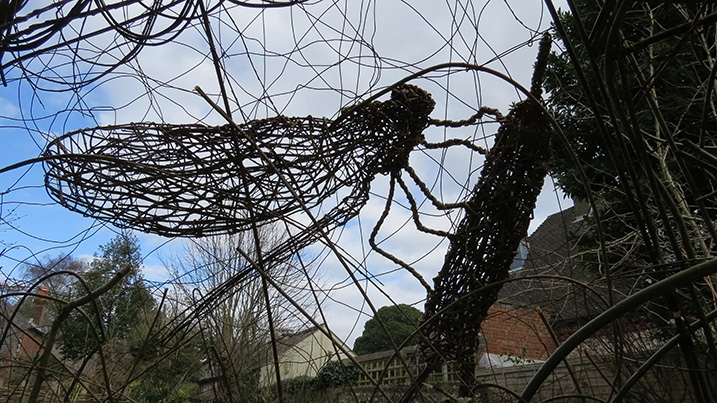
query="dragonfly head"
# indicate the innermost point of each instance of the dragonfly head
(414, 105)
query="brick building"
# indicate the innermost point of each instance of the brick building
(513, 336)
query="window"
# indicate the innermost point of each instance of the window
(521, 256)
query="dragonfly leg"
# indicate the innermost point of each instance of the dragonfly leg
(427, 192)
(384, 253)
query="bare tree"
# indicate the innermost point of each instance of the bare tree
(238, 314)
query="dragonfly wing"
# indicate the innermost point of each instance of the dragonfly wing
(192, 180)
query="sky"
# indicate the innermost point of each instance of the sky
(312, 59)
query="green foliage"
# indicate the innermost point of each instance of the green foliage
(613, 137)
(243, 387)
(335, 373)
(299, 385)
(309, 388)
(115, 314)
(624, 123)
(171, 374)
(400, 321)
(638, 113)
(126, 324)
(237, 380)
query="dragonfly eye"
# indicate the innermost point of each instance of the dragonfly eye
(415, 102)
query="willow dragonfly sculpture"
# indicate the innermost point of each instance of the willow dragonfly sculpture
(196, 180)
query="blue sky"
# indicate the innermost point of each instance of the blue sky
(288, 61)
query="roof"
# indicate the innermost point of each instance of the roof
(554, 278)
(289, 340)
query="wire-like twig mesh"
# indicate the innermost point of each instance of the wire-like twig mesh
(61, 30)
(195, 180)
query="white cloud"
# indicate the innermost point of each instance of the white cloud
(8, 109)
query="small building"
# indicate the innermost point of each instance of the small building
(303, 354)
(554, 277)
(22, 337)
(22, 334)
(22, 330)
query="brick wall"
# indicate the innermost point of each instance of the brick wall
(516, 332)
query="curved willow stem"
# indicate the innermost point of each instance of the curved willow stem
(628, 304)
(647, 365)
